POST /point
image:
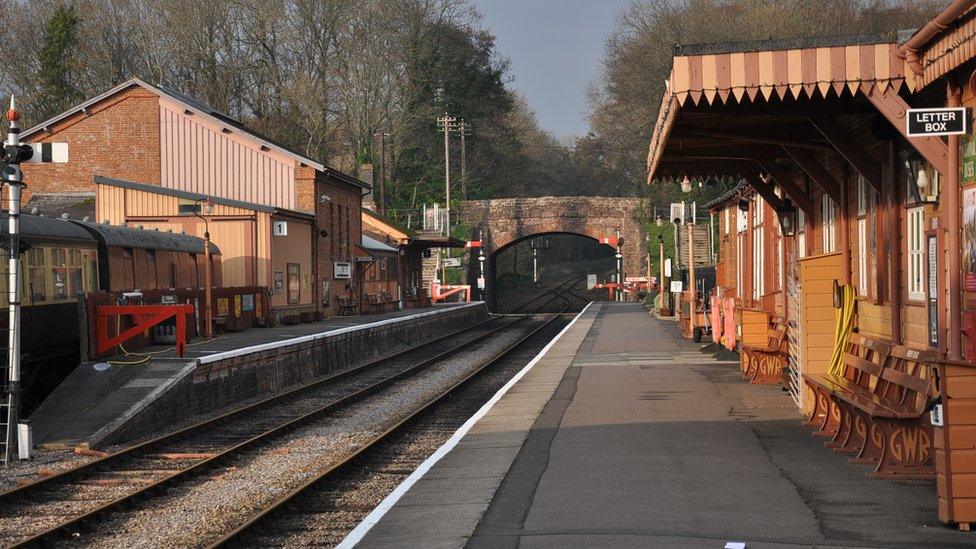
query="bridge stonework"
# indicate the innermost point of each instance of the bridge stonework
(508, 220)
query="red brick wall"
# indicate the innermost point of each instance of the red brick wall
(338, 218)
(119, 137)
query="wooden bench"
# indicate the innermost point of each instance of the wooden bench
(877, 408)
(863, 359)
(347, 306)
(899, 434)
(764, 365)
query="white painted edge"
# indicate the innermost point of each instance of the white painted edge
(364, 526)
(322, 335)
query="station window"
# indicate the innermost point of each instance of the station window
(865, 235)
(915, 243)
(128, 270)
(36, 279)
(801, 234)
(188, 207)
(828, 216)
(758, 249)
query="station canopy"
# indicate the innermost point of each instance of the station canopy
(776, 106)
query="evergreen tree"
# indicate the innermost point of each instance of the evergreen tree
(56, 91)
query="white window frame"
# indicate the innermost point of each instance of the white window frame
(862, 256)
(758, 250)
(828, 218)
(915, 251)
(801, 234)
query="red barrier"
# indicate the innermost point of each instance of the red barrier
(144, 317)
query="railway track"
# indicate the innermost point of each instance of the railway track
(396, 452)
(148, 469)
(558, 292)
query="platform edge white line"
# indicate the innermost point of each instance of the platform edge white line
(374, 516)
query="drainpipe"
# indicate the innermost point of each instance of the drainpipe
(911, 49)
(952, 224)
(845, 229)
(894, 241)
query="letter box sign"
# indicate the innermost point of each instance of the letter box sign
(341, 269)
(932, 122)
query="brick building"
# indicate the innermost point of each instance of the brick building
(149, 136)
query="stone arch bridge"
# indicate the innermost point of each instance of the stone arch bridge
(505, 221)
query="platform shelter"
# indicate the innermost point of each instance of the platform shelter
(835, 191)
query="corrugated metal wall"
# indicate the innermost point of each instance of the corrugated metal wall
(196, 155)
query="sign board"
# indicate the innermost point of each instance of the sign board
(667, 267)
(341, 269)
(237, 306)
(222, 306)
(635, 279)
(590, 281)
(481, 283)
(932, 122)
(935, 416)
(365, 259)
(677, 286)
(279, 282)
(247, 302)
(279, 228)
(451, 262)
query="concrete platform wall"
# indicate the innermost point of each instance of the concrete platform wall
(225, 379)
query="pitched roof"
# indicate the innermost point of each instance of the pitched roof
(191, 104)
(76, 204)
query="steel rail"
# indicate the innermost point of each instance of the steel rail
(236, 535)
(74, 524)
(559, 290)
(23, 491)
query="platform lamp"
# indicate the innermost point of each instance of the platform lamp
(207, 209)
(787, 218)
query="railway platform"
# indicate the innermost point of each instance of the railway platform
(624, 434)
(124, 397)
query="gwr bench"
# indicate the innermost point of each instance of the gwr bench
(877, 407)
(382, 302)
(347, 306)
(764, 365)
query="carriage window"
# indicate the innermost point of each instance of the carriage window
(172, 275)
(36, 285)
(128, 269)
(59, 273)
(194, 272)
(151, 261)
(75, 281)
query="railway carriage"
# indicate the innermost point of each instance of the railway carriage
(65, 258)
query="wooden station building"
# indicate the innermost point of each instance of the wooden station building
(835, 190)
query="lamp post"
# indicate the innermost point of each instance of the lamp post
(660, 251)
(207, 276)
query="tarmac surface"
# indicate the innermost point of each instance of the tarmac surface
(626, 435)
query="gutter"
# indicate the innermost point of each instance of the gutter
(911, 49)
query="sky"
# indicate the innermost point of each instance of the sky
(555, 48)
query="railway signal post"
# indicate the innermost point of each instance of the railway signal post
(11, 156)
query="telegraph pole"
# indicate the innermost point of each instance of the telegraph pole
(382, 136)
(447, 124)
(463, 130)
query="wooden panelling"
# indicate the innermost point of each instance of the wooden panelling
(196, 155)
(817, 274)
(755, 328)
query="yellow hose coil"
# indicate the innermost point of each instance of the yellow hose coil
(842, 330)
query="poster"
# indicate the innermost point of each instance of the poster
(222, 306)
(237, 306)
(969, 239)
(279, 282)
(247, 302)
(968, 145)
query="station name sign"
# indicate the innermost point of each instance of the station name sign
(933, 122)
